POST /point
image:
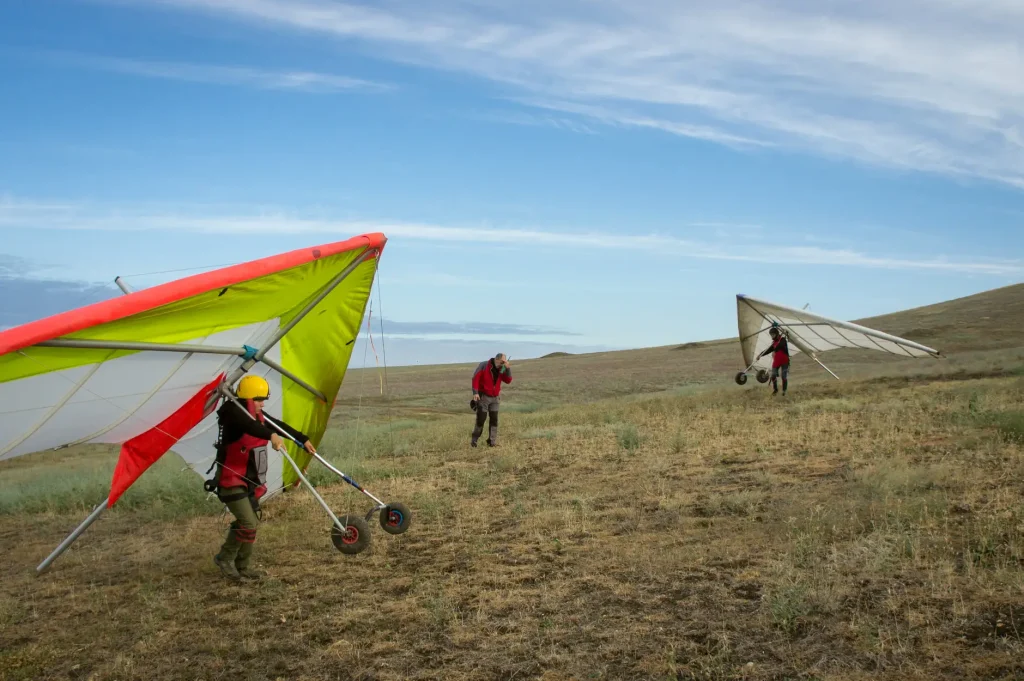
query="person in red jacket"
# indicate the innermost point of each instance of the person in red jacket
(242, 469)
(487, 380)
(780, 360)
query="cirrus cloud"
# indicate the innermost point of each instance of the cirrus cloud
(918, 86)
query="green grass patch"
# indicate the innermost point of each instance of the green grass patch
(167, 490)
(1010, 425)
(522, 407)
(628, 437)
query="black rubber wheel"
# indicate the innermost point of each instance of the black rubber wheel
(741, 378)
(395, 518)
(357, 537)
(763, 376)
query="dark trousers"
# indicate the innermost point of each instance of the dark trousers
(486, 409)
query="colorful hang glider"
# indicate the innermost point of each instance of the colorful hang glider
(147, 370)
(809, 333)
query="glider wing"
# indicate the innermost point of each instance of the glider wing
(143, 369)
(811, 333)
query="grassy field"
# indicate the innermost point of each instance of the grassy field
(644, 518)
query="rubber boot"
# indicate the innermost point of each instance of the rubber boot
(225, 560)
(242, 564)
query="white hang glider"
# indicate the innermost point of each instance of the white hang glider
(146, 370)
(808, 333)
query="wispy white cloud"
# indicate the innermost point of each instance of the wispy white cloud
(21, 215)
(215, 74)
(535, 120)
(924, 85)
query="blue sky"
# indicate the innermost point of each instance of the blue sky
(551, 175)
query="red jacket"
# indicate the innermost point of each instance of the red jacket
(487, 380)
(780, 352)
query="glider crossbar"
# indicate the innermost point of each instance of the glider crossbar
(139, 346)
(284, 372)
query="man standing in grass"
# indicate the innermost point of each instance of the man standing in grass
(487, 380)
(780, 359)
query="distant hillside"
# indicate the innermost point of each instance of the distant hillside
(991, 319)
(982, 333)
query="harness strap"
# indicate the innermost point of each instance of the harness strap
(238, 496)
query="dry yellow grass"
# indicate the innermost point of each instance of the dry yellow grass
(866, 529)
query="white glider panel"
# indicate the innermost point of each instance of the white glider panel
(196, 448)
(115, 400)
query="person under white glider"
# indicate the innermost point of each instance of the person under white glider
(780, 359)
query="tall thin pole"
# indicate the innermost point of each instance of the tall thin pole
(73, 536)
(825, 367)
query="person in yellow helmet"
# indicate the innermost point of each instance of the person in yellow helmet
(242, 468)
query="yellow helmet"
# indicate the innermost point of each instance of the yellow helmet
(253, 388)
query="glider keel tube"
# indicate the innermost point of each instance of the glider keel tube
(364, 256)
(125, 288)
(72, 537)
(281, 333)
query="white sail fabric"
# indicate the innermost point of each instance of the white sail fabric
(811, 333)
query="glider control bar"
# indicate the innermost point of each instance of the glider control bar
(227, 394)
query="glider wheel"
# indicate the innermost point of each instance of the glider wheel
(395, 518)
(763, 376)
(356, 537)
(741, 378)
